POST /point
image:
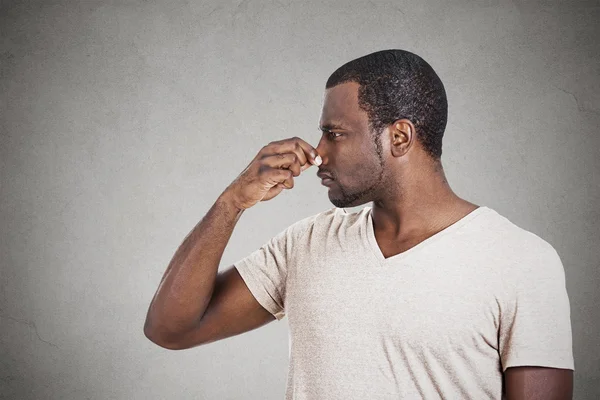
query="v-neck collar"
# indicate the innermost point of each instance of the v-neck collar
(376, 250)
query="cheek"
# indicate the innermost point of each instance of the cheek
(362, 170)
(357, 163)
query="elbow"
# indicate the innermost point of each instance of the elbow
(162, 338)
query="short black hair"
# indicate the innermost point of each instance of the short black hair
(397, 84)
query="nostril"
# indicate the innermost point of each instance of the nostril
(321, 156)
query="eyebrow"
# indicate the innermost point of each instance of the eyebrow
(331, 126)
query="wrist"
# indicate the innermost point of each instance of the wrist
(228, 202)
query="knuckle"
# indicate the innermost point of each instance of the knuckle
(262, 169)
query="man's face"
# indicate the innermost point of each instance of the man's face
(348, 149)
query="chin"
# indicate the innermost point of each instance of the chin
(338, 203)
(346, 203)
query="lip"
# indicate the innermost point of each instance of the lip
(326, 181)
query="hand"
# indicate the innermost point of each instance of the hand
(271, 171)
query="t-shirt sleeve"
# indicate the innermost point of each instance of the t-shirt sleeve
(265, 270)
(535, 321)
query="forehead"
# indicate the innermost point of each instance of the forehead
(340, 106)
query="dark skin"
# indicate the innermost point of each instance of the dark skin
(412, 201)
(411, 197)
(195, 304)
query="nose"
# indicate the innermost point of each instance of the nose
(322, 150)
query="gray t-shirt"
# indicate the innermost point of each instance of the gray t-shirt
(442, 320)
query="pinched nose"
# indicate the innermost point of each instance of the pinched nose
(322, 150)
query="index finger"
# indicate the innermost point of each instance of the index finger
(303, 150)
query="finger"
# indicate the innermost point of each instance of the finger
(278, 176)
(291, 147)
(313, 156)
(305, 167)
(274, 191)
(304, 151)
(287, 161)
(295, 167)
(288, 183)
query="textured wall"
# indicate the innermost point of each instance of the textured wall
(122, 121)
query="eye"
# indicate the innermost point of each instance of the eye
(330, 134)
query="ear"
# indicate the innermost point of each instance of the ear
(402, 134)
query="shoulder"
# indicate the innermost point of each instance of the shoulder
(512, 237)
(322, 219)
(302, 226)
(326, 222)
(523, 250)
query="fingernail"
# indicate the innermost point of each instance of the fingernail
(318, 160)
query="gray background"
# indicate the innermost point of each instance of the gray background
(122, 121)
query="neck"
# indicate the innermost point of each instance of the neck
(419, 201)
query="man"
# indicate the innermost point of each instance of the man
(421, 295)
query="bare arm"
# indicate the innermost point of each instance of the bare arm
(538, 383)
(193, 304)
(187, 285)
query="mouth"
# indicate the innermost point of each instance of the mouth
(326, 181)
(326, 178)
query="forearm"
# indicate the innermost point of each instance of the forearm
(187, 284)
